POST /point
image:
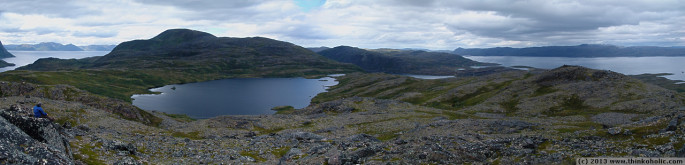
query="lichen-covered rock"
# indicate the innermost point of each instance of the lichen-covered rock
(18, 147)
(40, 129)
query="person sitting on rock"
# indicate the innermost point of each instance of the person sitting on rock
(38, 112)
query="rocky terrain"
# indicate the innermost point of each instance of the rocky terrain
(513, 117)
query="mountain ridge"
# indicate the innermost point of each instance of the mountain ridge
(400, 61)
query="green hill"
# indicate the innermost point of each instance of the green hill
(178, 56)
(400, 61)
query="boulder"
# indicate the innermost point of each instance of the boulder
(18, 147)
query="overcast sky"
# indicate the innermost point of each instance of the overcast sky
(431, 24)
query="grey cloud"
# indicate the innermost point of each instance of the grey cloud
(302, 31)
(98, 34)
(69, 9)
(561, 22)
(229, 10)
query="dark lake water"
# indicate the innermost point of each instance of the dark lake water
(27, 57)
(249, 96)
(625, 65)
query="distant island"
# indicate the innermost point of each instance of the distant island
(4, 54)
(52, 46)
(584, 50)
(400, 61)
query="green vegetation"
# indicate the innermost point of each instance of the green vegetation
(284, 109)
(135, 66)
(280, 152)
(474, 98)
(573, 105)
(180, 117)
(510, 106)
(190, 135)
(544, 90)
(4, 63)
(657, 79)
(253, 154)
(88, 151)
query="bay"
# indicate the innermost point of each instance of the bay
(28, 57)
(243, 96)
(625, 65)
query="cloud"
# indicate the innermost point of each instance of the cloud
(371, 24)
(98, 34)
(47, 7)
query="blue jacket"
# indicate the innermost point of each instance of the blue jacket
(38, 112)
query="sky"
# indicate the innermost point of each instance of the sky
(427, 24)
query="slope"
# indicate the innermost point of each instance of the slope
(400, 61)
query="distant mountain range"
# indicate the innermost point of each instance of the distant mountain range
(52, 46)
(400, 61)
(584, 50)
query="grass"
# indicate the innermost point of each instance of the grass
(573, 105)
(480, 95)
(544, 90)
(254, 155)
(510, 106)
(90, 156)
(180, 117)
(189, 135)
(658, 80)
(284, 109)
(280, 152)
(454, 115)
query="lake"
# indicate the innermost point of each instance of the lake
(625, 65)
(28, 57)
(245, 96)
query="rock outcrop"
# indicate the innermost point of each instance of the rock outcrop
(69, 93)
(28, 140)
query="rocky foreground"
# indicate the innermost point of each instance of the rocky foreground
(515, 117)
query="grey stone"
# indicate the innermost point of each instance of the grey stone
(304, 136)
(615, 130)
